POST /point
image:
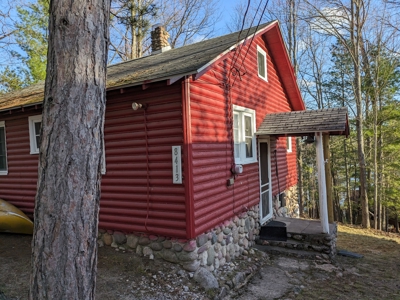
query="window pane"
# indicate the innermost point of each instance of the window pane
(261, 64)
(2, 142)
(265, 204)
(249, 147)
(243, 135)
(248, 131)
(236, 137)
(3, 162)
(37, 128)
(3, 166)
(37, 133)
(236, 128)
(38, 141)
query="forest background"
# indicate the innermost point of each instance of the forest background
(345, 53)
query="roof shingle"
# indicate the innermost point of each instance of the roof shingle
(331, 120)
(179, 61)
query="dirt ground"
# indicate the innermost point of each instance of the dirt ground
(121, 275)
(128, 276)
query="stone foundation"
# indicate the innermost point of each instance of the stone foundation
(211, 250)
(291, 209)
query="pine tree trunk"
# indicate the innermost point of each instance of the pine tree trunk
(348, 196)
(133, 45)
(356, 36)
(380, 173)
(386, 220)
(375, 162)
(337, 211)
(67, 201)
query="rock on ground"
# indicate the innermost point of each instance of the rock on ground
(206, 279)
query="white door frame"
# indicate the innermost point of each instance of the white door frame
(263, 219)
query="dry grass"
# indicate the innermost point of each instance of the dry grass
(375, 276)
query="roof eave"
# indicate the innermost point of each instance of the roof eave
(116, 87)
(21, 106)
(303, 133)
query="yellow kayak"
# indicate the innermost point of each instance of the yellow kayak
(13, 220)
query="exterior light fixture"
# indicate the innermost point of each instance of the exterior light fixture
(136, 106)
(309, 139)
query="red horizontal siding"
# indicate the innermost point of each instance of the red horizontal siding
(129, 202)
(287, 168)
(214, 201)
(19, 186)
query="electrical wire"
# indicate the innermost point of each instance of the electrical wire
(227, 86)
(238, 50)
(252, 39)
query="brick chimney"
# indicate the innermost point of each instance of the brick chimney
(159, 39)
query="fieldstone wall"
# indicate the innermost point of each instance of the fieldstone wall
(291, 210)
(210, 250)
(322, 244)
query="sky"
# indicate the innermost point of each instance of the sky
(225, 8)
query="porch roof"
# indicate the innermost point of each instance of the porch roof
(334, 121)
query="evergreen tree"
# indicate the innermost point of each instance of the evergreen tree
(130, 21)
(32, 37)
(13, 79)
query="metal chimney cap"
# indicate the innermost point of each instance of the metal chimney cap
(155, 26)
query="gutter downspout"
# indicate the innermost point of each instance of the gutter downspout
(188, 158)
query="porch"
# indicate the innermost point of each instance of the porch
(298, 238)
(317, 125)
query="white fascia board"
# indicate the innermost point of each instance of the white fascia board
(151, 81)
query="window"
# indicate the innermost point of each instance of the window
(35, 124)
(289, 144)
(262, 63)
(3, 150)
(244, 125)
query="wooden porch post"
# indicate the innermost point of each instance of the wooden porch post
(323, 207)
(328, 176)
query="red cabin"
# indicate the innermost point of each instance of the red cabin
(182, 158)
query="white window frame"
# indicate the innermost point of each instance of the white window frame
(35, 148)
(264, 54)
(241, 112)
(289, 144)
(32, 133)
(103, 160)
(4, 172)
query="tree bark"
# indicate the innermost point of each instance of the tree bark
(348, 196)
(355, 37)
(67, 201)
(380, 173)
